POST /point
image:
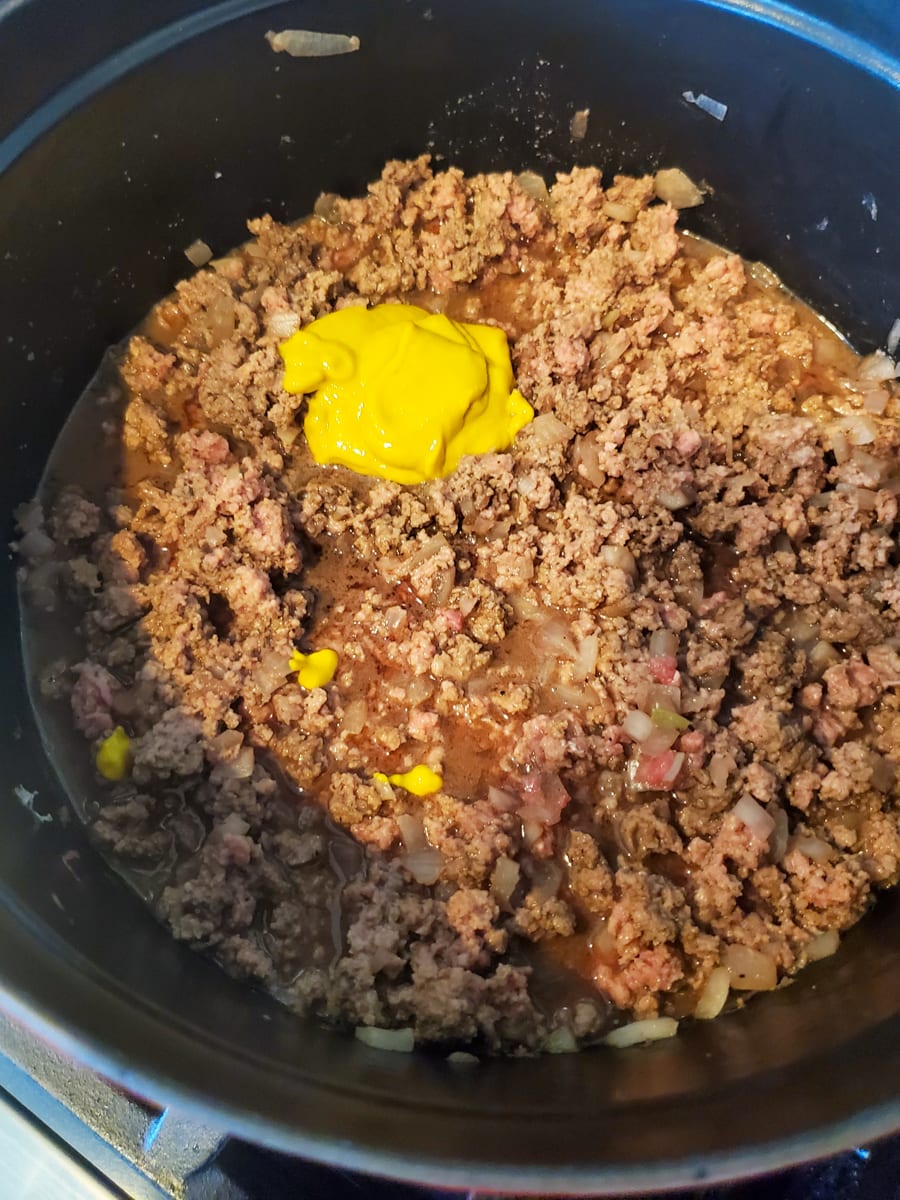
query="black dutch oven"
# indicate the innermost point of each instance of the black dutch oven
(128, 130)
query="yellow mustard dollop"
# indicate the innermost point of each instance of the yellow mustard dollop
(113, 758)
(315, 669)
(402, 393)
(420, 780)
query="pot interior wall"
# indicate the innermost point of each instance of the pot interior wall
(212, 129)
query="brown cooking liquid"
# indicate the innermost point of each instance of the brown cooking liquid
(563, 967)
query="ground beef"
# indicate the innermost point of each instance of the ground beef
(699, 525)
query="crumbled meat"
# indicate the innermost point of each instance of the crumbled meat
(686, 531)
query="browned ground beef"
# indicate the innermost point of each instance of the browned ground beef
(699, 465)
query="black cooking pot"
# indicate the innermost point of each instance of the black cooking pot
(131, 130)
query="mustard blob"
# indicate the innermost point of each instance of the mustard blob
(419, 781)
(401, 393)
(314, 670)
(114, 755)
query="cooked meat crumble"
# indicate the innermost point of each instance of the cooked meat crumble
(652, 650)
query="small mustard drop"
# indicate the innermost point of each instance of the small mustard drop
(402, 393)
(420, 780)
(314, 670)
(113, 759)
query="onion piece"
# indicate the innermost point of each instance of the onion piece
(586, 459)
(419, 689)
(243, 764)
(750, 970)
(533, 185)
(620, 558)
(548, 430)
(860, 430)
(778, 843)
(674, 187)
(325, 207)
(579, 124)
(504, 878)
(586, 657)
(675, 498)
(425, 866)
(663, 644)
(556, 636)
(355, 715)
(412, 830)
(822, 946)
(426, 550)
(463, 1058)
(715, 993)
(198, 253)
(637, 725)
(568, 696)
(755, 817)
(282, 324)
(877, 368)
(401, 1041)
(560, 1041)
(310, 43)
(814, 848)
(655, 1029)
(720, 766)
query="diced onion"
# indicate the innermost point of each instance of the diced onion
(424, 865)
(504, 878)
(674, 187)
(578, 124)
(619, 557)
(637, 725)
(586, 459)
(325, 207)
(860, 430)
(877, 368)
(750, 970)
(660, 739)
(418, 690)
(823, 946)
(815, 848)
(426, 550)
(675, 498)
(822, 656)
(778, 843)
(548, 430)
(503, 801)
(714, 994)
(355, 715)
(282, 324)
(310, 43)
(586, 657)
(754, 817)
(663, 644)
(573, 697)
(875, 400)
(720, 766)
(401, 1041)
(412, 831)
(560, 1041)
(556, 636)
(865, 498)
(533, 185)
(198, 253)
(654, 1030)
(243, 764)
